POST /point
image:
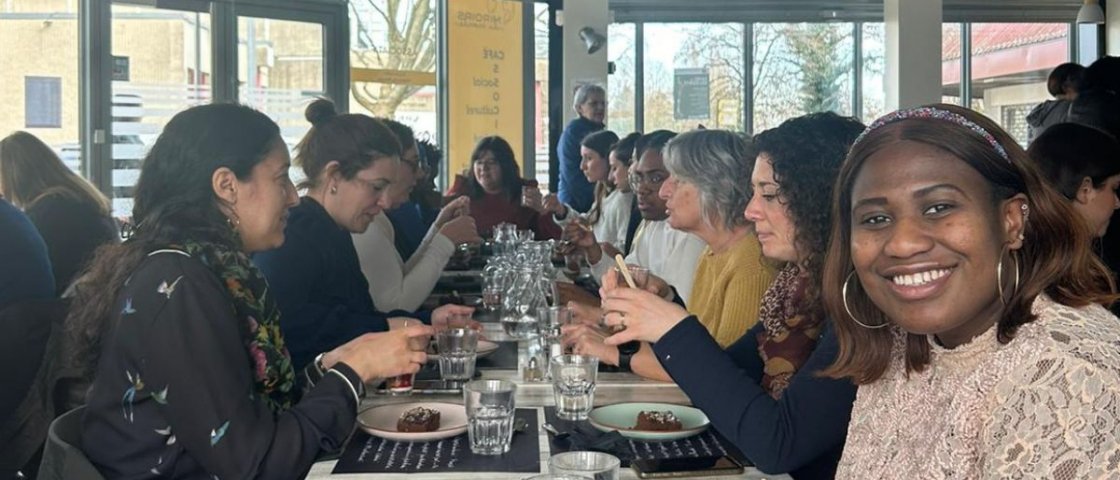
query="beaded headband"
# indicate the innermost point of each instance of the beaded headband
(937, 114)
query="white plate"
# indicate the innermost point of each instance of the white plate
(485, 347)
(622, 417)
(381, 421)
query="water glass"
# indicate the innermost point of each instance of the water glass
(558, 476)
(490, 410)
(573, 385)
(594, 465)
(457, 351)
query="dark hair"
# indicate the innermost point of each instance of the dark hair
(507, 162)
(354, 141)
(403, 132)
(624, 148)
(1065, 78)
(600, 142)
(655, 139)
(1103, 75)
(31, 171)
(175, 202)
(431, 156)
(1056, 257)
(806, 153)
(1068, 152)
(426, 194)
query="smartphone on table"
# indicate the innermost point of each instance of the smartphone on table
(686, 467)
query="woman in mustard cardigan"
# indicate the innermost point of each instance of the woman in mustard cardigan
(706, 193)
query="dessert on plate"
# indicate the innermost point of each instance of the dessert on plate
(419, 419)
(658, 421)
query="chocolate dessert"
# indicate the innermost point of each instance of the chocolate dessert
(658, 421)
(418, 419)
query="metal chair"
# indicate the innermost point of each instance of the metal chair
(62, 457)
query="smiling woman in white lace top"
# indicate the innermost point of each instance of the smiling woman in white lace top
(968, 307)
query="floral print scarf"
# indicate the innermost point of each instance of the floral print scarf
(254, 305)
(792, 327)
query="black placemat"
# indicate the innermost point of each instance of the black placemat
(368, 454)
(504, 358)
(705, 444)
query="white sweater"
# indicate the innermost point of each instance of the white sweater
(614, 217)
(393, 284)
(668, 253)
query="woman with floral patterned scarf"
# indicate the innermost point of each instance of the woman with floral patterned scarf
(764, 392)
(192, 378)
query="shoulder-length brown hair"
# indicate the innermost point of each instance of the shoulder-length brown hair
(1056, 257)
(30, 171)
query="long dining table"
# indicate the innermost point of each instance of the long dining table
(611, 388)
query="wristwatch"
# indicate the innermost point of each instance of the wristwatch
(626, 352)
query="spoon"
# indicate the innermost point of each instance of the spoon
(556, 433)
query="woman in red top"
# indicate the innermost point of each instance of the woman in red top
(495, 188)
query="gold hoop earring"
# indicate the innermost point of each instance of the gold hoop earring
(999, 274)
(844, 297)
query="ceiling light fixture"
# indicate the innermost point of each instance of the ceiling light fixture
(1091, 12)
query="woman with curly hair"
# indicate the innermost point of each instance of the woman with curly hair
(764, 392)
(968, 308)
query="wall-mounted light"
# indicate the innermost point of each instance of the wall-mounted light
(1090, 12)
(594, 40)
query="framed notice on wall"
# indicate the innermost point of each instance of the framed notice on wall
(691, 97)
(485, 82)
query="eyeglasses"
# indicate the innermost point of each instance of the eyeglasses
(651, 179)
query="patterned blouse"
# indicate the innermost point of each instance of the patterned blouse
(1045, 405)
(174, 394)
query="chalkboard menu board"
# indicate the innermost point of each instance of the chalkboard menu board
(691, 94)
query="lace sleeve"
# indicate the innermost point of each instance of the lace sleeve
(1055, 419)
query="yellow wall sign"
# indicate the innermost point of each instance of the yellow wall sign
(485, 77)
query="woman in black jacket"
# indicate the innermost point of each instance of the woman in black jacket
(70, 214)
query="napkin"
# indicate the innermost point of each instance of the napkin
(610, 442)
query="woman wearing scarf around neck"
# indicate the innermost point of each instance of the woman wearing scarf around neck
(193, 379)
(764, 392)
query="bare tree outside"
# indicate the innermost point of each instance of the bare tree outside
(394, 35)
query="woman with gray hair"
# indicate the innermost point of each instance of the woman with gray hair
(706, 193)
(590, 104)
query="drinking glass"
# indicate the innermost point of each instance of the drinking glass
(458, 348)
(639, 274)
(557, 476)
(573, 385)
(490, 409)
(402, 384)
(595, 465)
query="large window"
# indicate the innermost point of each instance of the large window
(39, 72)
(1010, 65)
(620, 85)
(801, 68)
(873, 89)
(951, 48)
(280, 71)
(161, 66)
(540, 93)
(693, 76)
(393, 61)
